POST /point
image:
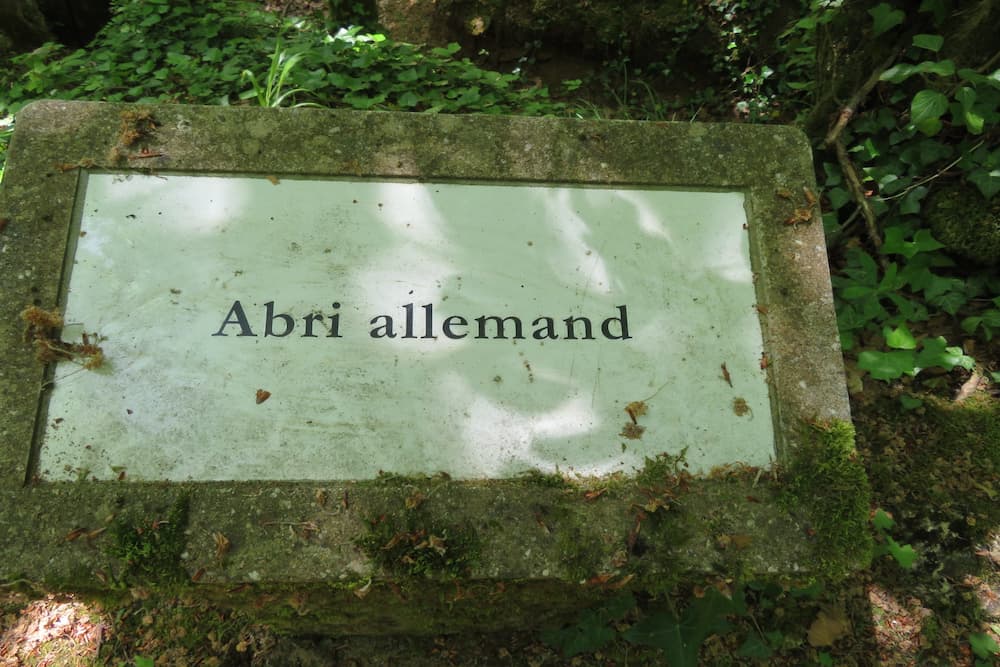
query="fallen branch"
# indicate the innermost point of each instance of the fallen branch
(851, 107)
(847, 112)
(858, 192)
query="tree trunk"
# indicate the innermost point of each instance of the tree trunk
(847, 52)
(75, 22)
(27, 24)
(22, 26)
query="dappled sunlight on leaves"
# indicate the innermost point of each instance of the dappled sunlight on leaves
(52, 632)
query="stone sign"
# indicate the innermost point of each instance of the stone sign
(310, 329)
(311, 335)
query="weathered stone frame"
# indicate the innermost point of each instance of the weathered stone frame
(55, 141)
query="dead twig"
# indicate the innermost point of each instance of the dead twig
(847, 112)
(937, 174)
(851, 107)
(858, 192)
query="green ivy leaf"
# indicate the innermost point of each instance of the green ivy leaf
(447, 51)
(894, 243)
(966, 111)
(899, 338)
(927, 105)
(904, 554)
(966, 97)
(931, 151)
(936, 352)
(970, 324)
(618, 606)
(930, 127)
(408, 75)
(946, 293)
(939, 8)
(590, 633)
(988, 182)
(891, 281)
(887, 365)
(885, 17)
(882, 520)
(409, 99)
(983, 645)
(810, 592)
(361, 101)
(909, 402)
(838, 197)
(989, 320)
(909, 309)
(974, 122)
(681, 639)
(755, 647)
(178, 59)
(831, 222)
(940, 67)
(898, 73)
(833, 174)
(911, 200)
(929, 42)
(950, 302)
(924, 241)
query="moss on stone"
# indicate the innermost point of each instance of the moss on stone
(148, 549)
(546, 480)
(827, 479)
(967, 223)
(662, 468)
(409, 540)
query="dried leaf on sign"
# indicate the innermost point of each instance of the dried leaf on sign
(635, 409)
(222, 544)
(632, 431)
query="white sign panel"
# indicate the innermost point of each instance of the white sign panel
(320, 329)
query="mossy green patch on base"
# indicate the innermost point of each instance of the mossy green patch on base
(149, 549)
(410, 540)
(546, 480)
(662, 468)
(828, 480)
